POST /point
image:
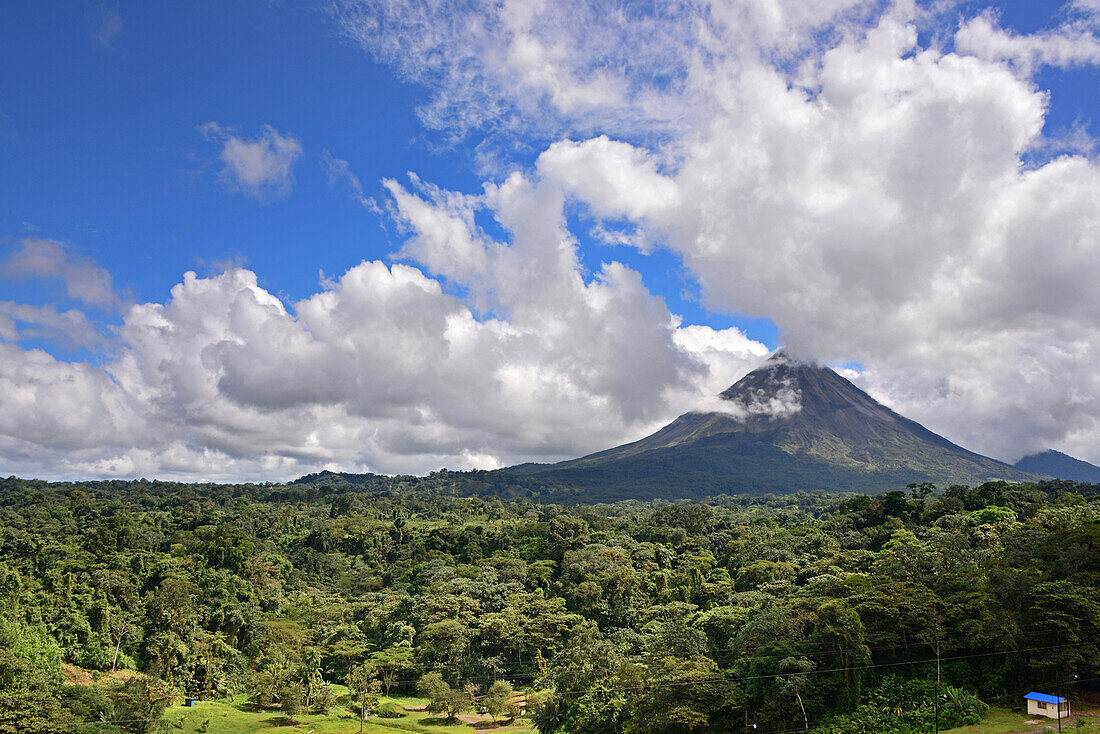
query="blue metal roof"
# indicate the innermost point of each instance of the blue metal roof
(1044, 697)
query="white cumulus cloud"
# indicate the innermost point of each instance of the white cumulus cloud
(382, 369)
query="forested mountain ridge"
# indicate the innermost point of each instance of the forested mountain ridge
(1056, 464)
(785, 426)
(805, 608)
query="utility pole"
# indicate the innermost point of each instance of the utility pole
(936, 702)
(1069, 688)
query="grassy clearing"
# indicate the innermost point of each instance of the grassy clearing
(1003, 721)
(997, 721)
(234, 716)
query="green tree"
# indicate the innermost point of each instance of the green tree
(140, 703)
(961, 707)
(497, 699)
(797, 668)
(432, 684)
(390, 662)
(442, 699)
(27, 701)
(365, 687)
(455, 701)
(683, 695)
(840, 630)
(323, 699)
(120, 627)
(595, 673)
(290, 700)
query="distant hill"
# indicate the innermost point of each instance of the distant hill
(1060, 466)
(784, 427)
(325, 475)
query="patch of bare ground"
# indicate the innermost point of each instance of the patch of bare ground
(75, 675)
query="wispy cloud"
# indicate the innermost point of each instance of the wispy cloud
(1091, 7)
(542, 70)
(41, 258)
(104, 22)
(70, 328)
(260, 166)
(1073, 44)
(339, 173)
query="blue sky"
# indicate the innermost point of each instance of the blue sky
(103, 149)
(104, 141)
(109, 158)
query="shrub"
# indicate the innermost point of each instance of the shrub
(390, 711)
(323, 700)
(961, 708)
(290, 700)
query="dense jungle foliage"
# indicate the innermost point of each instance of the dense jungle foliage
(848, 614)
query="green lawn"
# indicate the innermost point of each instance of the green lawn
(1003, 721)
(998, 721)
(235, 717)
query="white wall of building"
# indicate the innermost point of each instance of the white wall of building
(1049, 710)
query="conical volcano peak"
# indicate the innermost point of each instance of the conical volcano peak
(784, 381)
(779, 386)
(779, 356)
(770, 391)
(781, 367)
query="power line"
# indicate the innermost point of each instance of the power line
(513, 668)
(845, 669)
(851, 668)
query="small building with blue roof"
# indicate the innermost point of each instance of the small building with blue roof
(1044, 704)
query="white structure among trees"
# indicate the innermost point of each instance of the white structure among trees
(1044, 704)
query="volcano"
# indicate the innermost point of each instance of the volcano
(785, 426)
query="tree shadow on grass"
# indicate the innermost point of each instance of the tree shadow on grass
(436, 721)
(490, 725)
(250, 708)
(281, 721)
